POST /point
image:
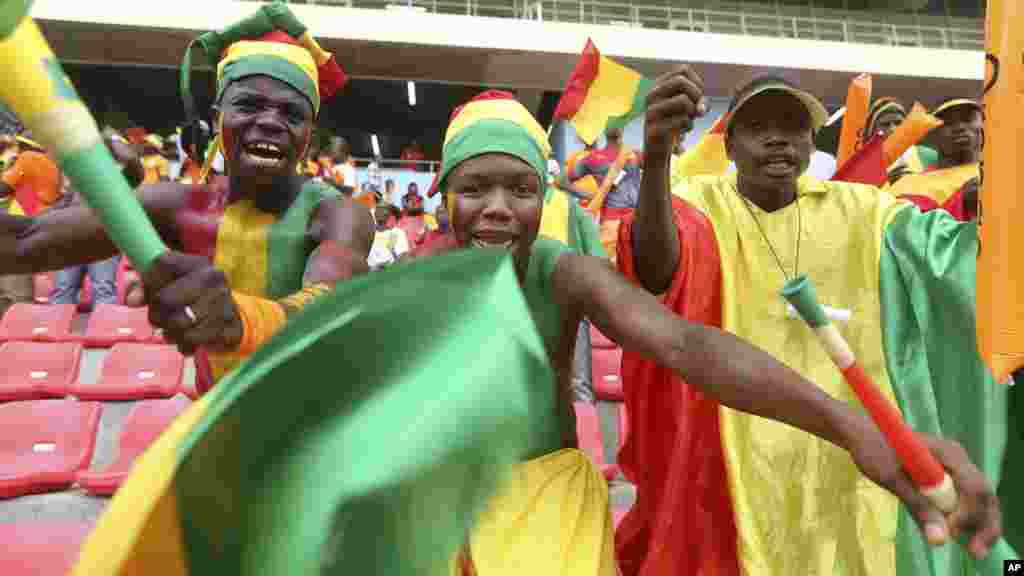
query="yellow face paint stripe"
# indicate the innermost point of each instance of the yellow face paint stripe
(554, 222)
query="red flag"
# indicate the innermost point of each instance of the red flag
(866, 166)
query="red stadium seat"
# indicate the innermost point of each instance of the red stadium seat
(41, 548)
(42, 287)
(37, 322)
(588, 433)
(606, 369)
(126, 274)
(85, 294)
(599, 340)
(44, 443)
(110, 324)
(135, 372)
(141, 428)
(37, 370)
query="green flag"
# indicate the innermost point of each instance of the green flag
(363, 439)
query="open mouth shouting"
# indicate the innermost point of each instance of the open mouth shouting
(779, 165)
(264, 155)
(493, 239)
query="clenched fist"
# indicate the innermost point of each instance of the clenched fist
(672, 105)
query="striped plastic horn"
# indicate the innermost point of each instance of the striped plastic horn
(926, 472)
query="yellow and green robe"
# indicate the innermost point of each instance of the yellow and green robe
(722, 492)
(262, 254)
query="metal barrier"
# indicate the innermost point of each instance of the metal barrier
(770, 20)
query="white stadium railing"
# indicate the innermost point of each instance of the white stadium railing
(802, 22)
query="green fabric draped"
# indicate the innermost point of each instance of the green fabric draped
(942, 386)
(366, 437)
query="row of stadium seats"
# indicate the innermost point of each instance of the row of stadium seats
(108, 324)
(47, 445)
(129, 371)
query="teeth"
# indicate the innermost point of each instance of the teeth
(482, 244)
(264, 161)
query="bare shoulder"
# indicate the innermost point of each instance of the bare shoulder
(342, 220)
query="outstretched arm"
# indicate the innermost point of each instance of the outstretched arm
(673, 103)
(60, 238)
(719, 364)
(744, 378)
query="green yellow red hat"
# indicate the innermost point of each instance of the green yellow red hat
(272, 42)
(493, 122)
(957, 103)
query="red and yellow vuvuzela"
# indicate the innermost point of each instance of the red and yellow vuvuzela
(1000, 278)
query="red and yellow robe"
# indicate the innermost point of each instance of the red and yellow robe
(262, 254)
(725, 493)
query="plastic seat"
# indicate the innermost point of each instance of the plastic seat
(37, 370)
(111, 324)
(42, 287)
(126, 274)
(41, 548)
(141, 428)
(606, 368)
(37, 322)
(44, 443)
(135, 372)
(599, 340)
(588, 433)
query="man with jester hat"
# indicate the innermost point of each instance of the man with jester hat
(256, 246)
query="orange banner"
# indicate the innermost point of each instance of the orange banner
(1000, 275)
(858, 101)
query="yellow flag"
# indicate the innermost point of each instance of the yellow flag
(1000, 277)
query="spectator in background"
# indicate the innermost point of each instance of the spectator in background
(32, 183)
(389, 191)
(390, 242)
(584, 188)
(156, 166)
(952, 183)
(412, 156)
(192, 165)
(67, 287)
(103, 274)
(174, 159)
(29, 186)
(336, 164)
(414, 222)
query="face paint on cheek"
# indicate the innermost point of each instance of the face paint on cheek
(227, 142)
(451, 209)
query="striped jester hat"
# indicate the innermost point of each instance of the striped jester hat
(492, 122)
(272, 42)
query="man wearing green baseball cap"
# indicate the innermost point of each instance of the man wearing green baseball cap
(900, 284)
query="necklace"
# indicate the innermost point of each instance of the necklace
(799, 235)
